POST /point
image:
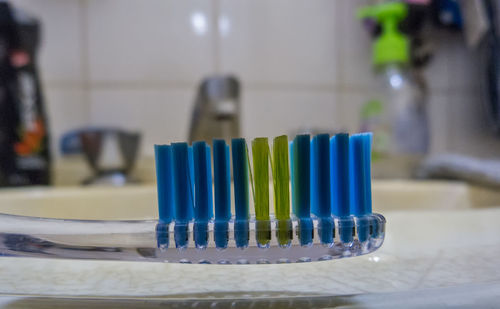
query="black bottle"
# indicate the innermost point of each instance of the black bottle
(24, 141)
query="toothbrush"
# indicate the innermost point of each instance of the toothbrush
(322, 207)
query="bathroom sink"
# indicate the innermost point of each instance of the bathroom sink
(435, 238)
(137, 202)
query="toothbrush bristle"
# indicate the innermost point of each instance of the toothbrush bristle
(301, 152)
(321, 159)
(301, 175)
(359, 159)
(326, 177)
(164, 180)
(222, 189)
(260, 154)
(340, 174)
(241, 191)
(222, 180)
(202, 182)
(281, 178)
(241, 178)
(183, 201)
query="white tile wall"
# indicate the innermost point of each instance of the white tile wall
(136, 64)
(161, 115)
(354, 46)
(439, 105)
(469, 130)
(351, 103)
(61, 52)
(66, 110)
(279, 42)
(273, 113)
(150, 42)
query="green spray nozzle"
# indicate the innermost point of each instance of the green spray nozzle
(392, 46)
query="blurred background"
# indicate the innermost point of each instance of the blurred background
(87, 87)
(300, 66)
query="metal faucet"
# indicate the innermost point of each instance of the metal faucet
(216, 112)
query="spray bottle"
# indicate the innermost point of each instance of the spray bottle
(398, 119)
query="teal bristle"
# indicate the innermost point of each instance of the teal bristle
(314, 191)
(241, 191)
(222, 190)
(222, 180)
(320, 186)
(164, 181)
(301, 176)
(321, 176)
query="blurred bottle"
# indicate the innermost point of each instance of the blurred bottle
(24, 150)
(399, 120)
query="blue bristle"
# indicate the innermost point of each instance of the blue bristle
(360, 182)
(301, 176)
(222, 189)
(241, 190)
(202, 182)
(367, 154)
(164, 181)
(340, 174)
(321, 158)
(301, 180)
(203, 190)
(182, 183)
(322, 167)
(182, 192)
(222, 181)
(339, 146)
(360, 152)
(191, 179)
(314, 176)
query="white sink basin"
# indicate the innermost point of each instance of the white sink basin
(139, 202)
(427, 246)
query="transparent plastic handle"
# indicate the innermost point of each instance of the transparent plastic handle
(156, 242)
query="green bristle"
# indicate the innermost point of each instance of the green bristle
(281, 185)
(281, 178)
(260, 152)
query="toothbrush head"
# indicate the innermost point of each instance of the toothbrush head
(329, 216)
